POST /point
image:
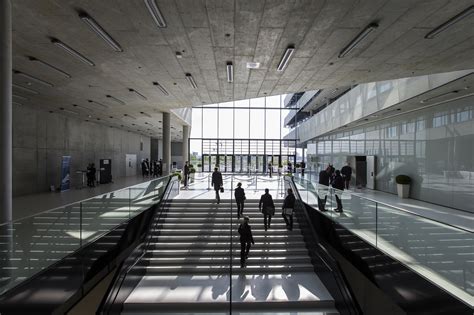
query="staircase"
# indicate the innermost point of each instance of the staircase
(188, 268)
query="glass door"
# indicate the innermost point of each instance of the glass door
(206, 163)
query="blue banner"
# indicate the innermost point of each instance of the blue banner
(65, 173)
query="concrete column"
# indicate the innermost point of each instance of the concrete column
(185, 144)
(5, 111)
(166, 143)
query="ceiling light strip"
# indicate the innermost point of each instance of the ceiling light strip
(230, 72)
(191, 81)
(115, 99)
(145, 114)
(17, 103)
(69, 111)
(439, 95)
(138, 94)
(32, 78)
(20, 97)
(25, 89)
(161, 88)
(434, 32)
(95, 102)
(285, 59)
(365, 32)
(72, 52)
(127, 115)
(44, 63)
(95, 27)
(155, 13)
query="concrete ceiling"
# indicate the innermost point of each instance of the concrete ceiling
(210, 33)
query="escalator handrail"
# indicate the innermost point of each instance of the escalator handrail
(137, 254)
(325, 256)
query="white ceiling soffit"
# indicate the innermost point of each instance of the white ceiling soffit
(127, 61)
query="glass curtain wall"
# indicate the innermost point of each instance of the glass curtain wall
(243, 136)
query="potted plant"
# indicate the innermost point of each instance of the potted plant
(192, 171)
(403, 185)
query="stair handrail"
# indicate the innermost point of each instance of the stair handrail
(351, 304)
(109, 299)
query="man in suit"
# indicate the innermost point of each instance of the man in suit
(239, 195)
(346, 172)
(186, 174)
(267, 207)
(338, 184)
(322, 190)
(246, 238)
(217, 183)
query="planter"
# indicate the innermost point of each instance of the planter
(191, 177)
(403, 190)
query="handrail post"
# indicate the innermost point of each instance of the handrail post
(231, 243)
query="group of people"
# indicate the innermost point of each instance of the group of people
(152, 169)
(289, 168)
(91, 175)
(338, 179)
(267, 208)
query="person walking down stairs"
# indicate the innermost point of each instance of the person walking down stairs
(246, 239)
(267, 207)
(288, 208)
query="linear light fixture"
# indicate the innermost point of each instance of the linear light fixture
(286, 58)
(230, 72)
(86, 18)
(353, 43)
(25, 89)
(20, 97)
(68, 111)
(127, 115)
(434, 32)
(32, 78)
(115, 99)
(17, 103)
(191, 81)
(161, 88)
(44, 63)
(155, 13)
(95, 102)
(439, 95)
(145, 114)
(138, 94)
(72, 52)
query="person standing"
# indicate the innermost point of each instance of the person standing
(338, 184)
(147, 162)
(246, 239)
(217, 183)
(270, 169)
(160, 168)
(93, 175)
(288, 209)
(323, 188)
(186, 174)
(290, 167)
(143, 168)
(303, 166)
(267, 207)
(346, 172)
(239, 195)
(89, 175)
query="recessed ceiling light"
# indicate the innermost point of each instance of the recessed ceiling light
(50, 66)
(155, 13)
(35, 79)
(285, 59)
(450, 22)
(72, 52)
(25, 89)
(253, 65)
(96, 28)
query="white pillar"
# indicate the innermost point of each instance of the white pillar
(166, 143)
(185, 144)
(5, 111)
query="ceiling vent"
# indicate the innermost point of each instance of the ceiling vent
(253, 65)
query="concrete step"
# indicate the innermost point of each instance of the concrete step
(211, 260)
(225, 245)
(303, 251)
(224, 238)
(225, 269)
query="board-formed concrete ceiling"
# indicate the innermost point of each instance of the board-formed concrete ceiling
(209, 33)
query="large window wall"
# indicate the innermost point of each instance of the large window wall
(242, 136)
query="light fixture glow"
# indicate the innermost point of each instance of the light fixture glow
(95, 102)
(25, 89)
(44, 63)
(285, 59)
(191, 81)
(353, 43)
(230, 72)
(161, 88)
(115, 99)
(100, 31)
(155, 13)
(434, 32)
(138, 94)
(72, 52)
(32, 78)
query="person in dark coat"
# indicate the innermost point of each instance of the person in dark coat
(239, 195)
(267, 207)
(217, 183)
(346, 172)
(322, 191)
(303, 166)
(288, 209)
(338, 183)
(270, 169)
(144, 168)
(186, 174)
(290, 167)
(89, 175)
(147, 163)
(160, 167)
(246, 239)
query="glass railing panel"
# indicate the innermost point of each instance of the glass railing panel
(31, 244)
(441, 253)
(144, 195)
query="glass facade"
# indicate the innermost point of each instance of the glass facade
(242, 136)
